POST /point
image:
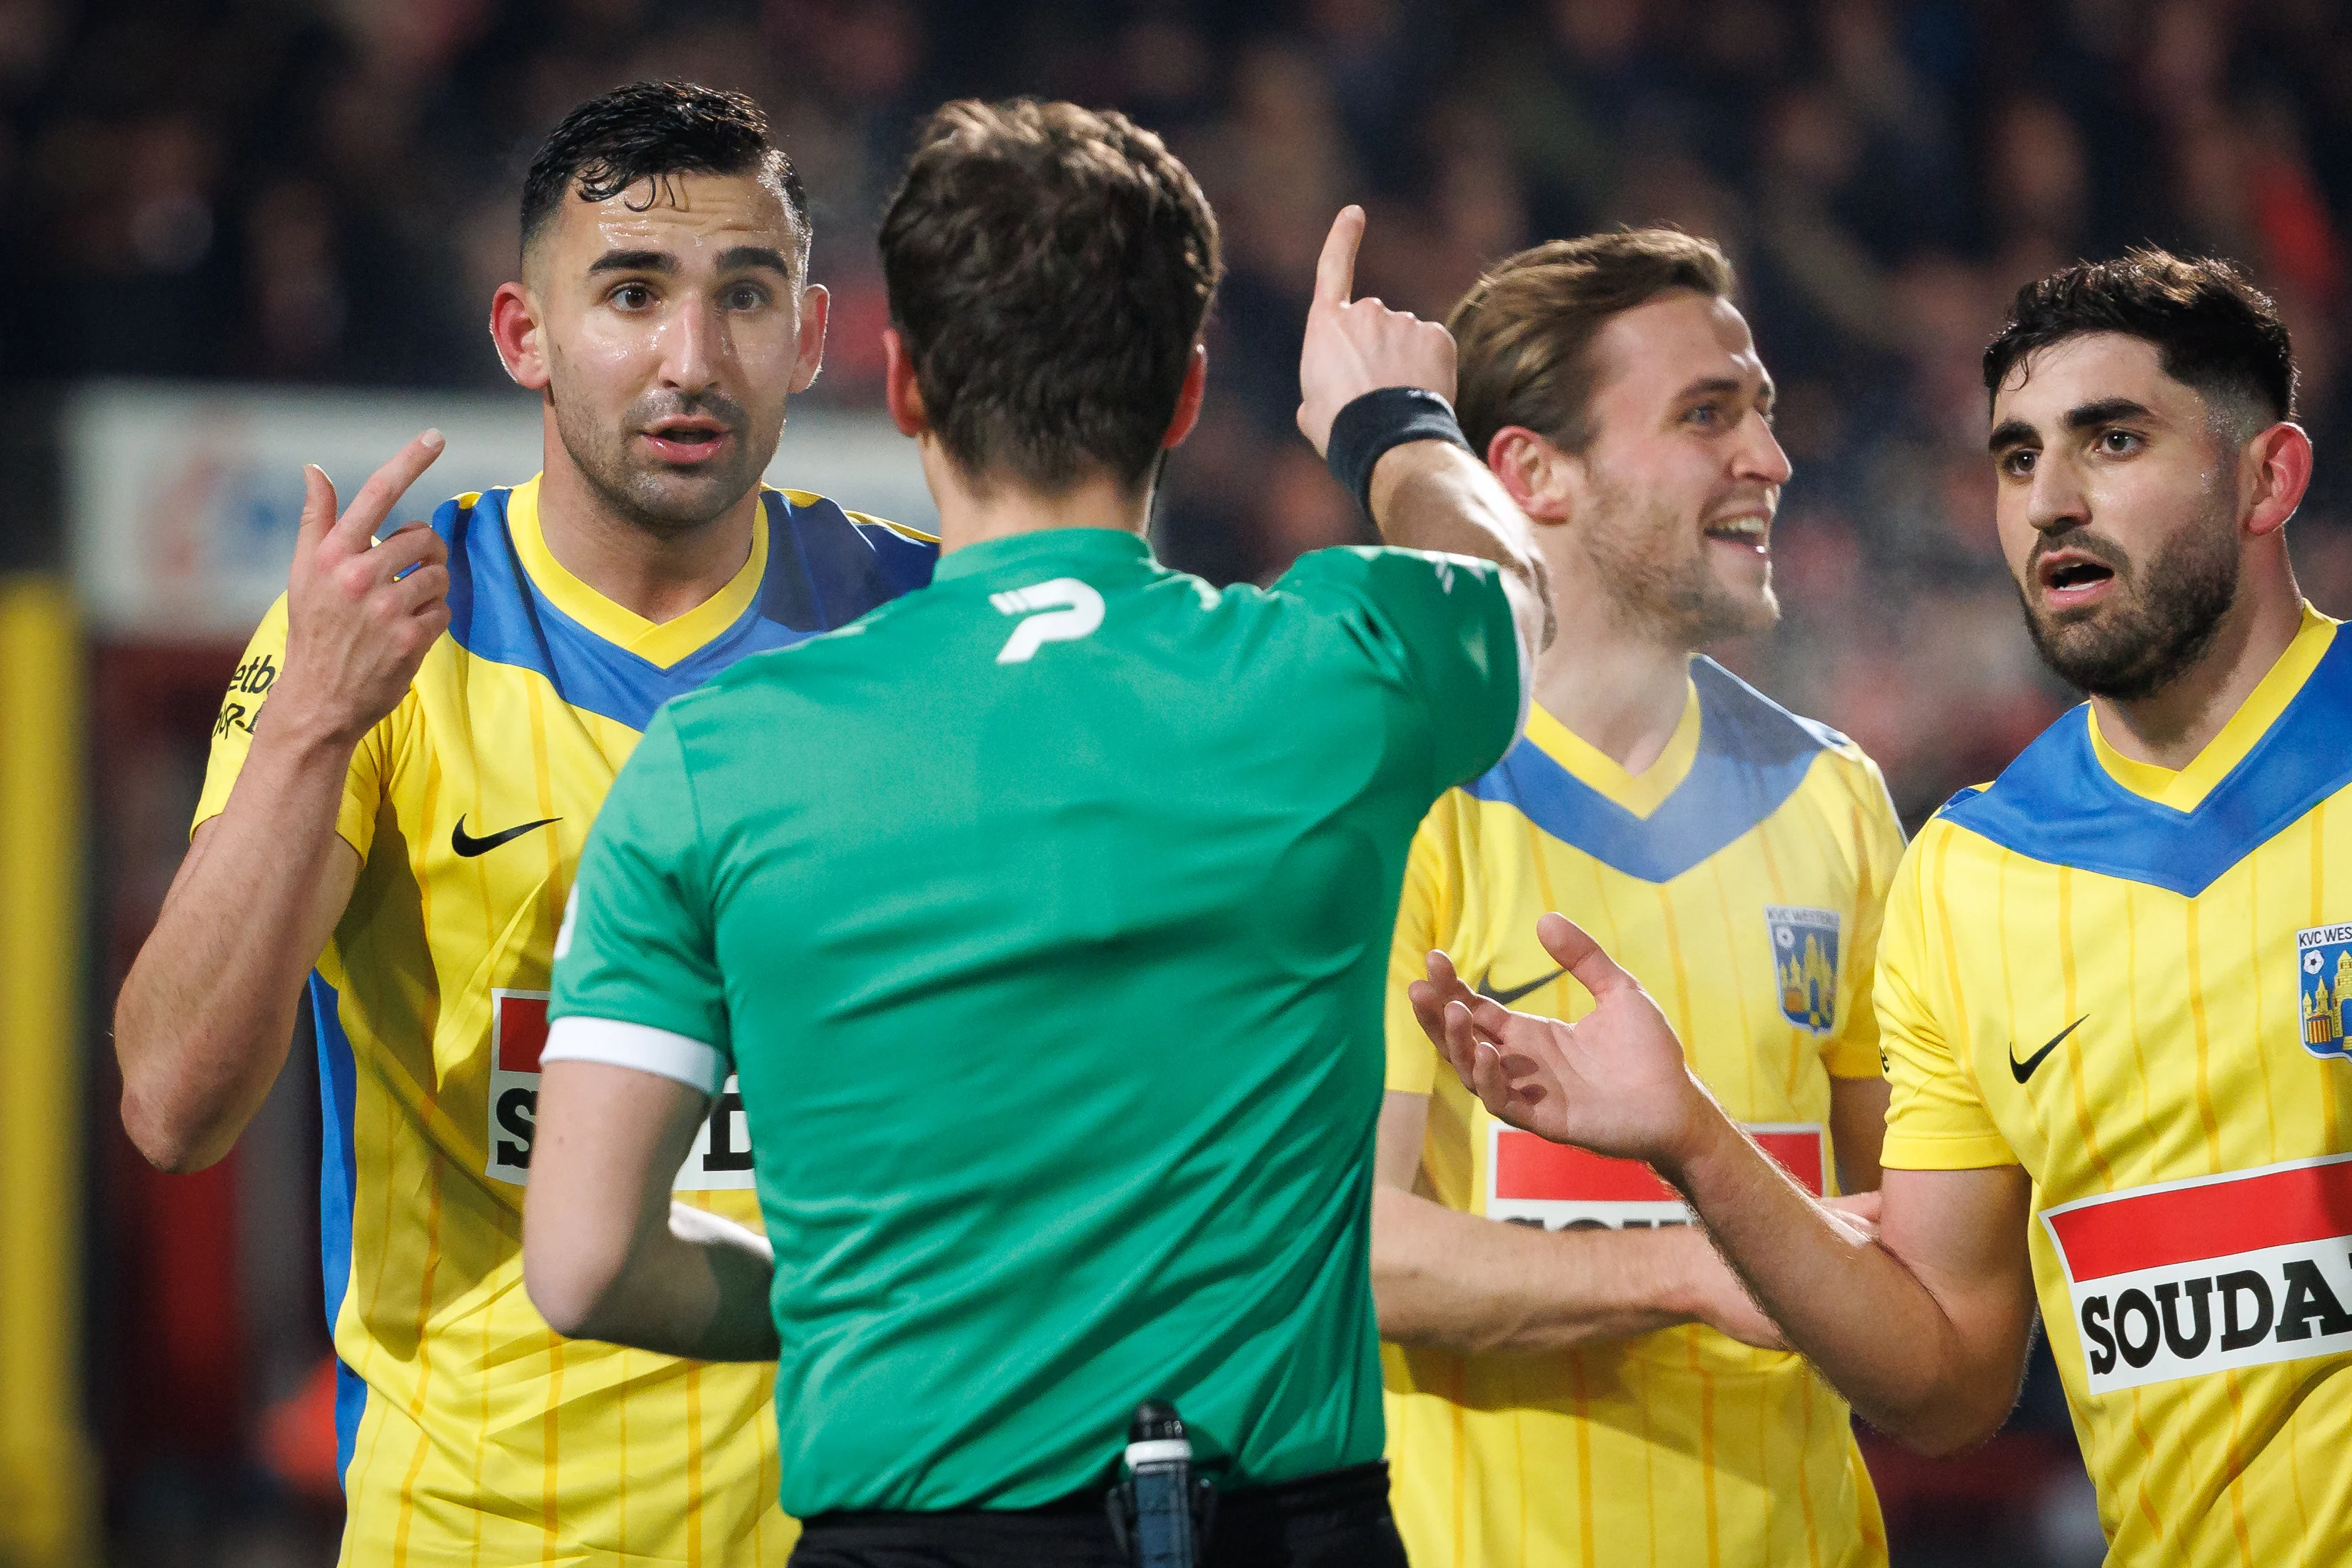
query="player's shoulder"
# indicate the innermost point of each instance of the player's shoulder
(896, 540)
(1741, 721)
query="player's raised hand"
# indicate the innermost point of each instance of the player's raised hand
(360, 614)
(1613, 1082)
(1355, 346)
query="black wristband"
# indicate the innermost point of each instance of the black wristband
(1371, 424)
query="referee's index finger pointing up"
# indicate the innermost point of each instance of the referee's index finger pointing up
(1335, 273)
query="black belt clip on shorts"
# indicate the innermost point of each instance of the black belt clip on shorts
(1162, 1513)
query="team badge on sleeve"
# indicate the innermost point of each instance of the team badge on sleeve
(1804, 963)
(2324, 974)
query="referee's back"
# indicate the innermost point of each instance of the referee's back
(1050, 909)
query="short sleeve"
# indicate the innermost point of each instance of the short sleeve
(1853, 1051)
(1424, 920)
(1440, 625)
(637, 972)
(1936, 1121)
(241, 707)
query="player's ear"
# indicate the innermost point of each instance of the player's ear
(1533, 470)
(816, 303)
(899, 391)
(1188, 400)
(2279, 465)
(514, 328)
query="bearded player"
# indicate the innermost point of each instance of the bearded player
(400, 786)
(2115, 982)
(1572, 1381)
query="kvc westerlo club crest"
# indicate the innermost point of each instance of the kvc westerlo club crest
(1805, 963)
(2324, 974)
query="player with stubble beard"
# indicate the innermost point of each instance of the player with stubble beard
(395, 825)
(1572, 1369)
(2113, 985)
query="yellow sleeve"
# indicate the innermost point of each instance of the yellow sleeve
(1425, 919)
(1936, 1121)
(248, 691)
(1852, 1051)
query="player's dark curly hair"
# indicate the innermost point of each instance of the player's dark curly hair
(1049, 269)
(646, 130)
(2212, 329)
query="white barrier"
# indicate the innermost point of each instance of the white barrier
(180, 500)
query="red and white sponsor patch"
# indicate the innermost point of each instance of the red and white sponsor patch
(2183, 1279)
(1532, 1181)
(720, 1159)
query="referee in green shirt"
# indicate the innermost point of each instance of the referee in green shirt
(1040, 918)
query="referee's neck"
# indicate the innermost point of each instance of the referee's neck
(973, 511)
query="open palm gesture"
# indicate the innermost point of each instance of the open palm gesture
(1613, 1082)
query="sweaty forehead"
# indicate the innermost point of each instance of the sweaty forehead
(690, 217)
(2092, 367)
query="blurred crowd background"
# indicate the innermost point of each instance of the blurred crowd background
(322, 192)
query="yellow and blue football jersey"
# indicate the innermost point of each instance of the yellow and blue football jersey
(2134, 983)
(1741, 877)
(468, 1432)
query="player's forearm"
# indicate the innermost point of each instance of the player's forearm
(1463, 1283)
(208, 1011)
(1854, 1308)
(696, 1287)
(1433, 494)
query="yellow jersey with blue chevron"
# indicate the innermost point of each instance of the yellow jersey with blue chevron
(468, 1432)
(2132, 982)
(1741, 877)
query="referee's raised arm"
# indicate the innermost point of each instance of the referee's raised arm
(1376, 389)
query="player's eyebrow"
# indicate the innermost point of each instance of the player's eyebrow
(2010, 433)
(1709, 385)
(634, 261)
(738, 258)
(2106, 411)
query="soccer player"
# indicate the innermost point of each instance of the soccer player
(1054, 982)
(2112, 989)
(1568, 1383)
(402, 779)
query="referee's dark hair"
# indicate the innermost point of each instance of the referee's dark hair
(1049, 269)
(643, 132)
(2213, 330)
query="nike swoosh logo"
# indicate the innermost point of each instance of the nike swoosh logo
(467, 845)
(1516, 991)
(2021, 1071)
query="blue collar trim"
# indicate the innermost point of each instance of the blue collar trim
(1752, 755)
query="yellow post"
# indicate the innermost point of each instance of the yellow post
(48, 1472)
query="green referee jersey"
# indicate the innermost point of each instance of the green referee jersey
(1042, 917)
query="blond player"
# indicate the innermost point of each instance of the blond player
(2114, 986)
(1568, 1385)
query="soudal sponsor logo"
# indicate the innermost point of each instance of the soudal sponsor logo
(1532, 1181)
(2186, 1279)
(720, 1160)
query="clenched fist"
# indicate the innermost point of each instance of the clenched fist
(359, 613)
(1355, 346)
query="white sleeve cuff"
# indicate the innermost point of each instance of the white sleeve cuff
(638, 1045)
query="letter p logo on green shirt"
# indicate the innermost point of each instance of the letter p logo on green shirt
(1062, 610)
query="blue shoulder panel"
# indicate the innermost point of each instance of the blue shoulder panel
(824, 572)
(2056, 804)
(1752, 755)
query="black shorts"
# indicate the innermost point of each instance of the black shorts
(1337, 1520)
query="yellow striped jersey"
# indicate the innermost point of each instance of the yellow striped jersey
(2136, 985)
(468, 1432)
(1740, 878)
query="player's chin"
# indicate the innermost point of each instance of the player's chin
(686, 496)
